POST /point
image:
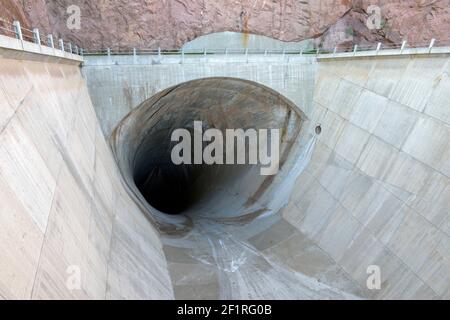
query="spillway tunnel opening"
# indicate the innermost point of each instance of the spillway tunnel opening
(143, 146)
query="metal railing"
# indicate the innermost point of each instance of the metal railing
(402, 46)
(197, 52)
(15, 30)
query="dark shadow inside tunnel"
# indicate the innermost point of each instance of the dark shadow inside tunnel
(166, 187)
(142, 145)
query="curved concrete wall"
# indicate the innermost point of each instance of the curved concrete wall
(216, 246)
(377, 190)
(64, 212)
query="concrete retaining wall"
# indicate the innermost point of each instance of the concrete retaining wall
(63, 210)
(377, 191)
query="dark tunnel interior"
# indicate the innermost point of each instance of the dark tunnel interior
(143, 145)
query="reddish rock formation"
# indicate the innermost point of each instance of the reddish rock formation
(9, 11)
(170, 23)
(417, 21)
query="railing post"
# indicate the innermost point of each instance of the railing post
(134, 56)
(301, 52)
(70, 47)
(431, 45)
(378, 47)
(334, 51)
(355, 49)
(18, 30)
(61, 44)
(108, 51)
(81, 52)
(265, 52)
(317, 51)
(159, 52)
(50, 41)
(36, 36)
(204, 52)
(403, 46)
(182, 55)
(76, 49)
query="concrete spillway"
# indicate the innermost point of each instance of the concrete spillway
(372, 188)
(221, 206)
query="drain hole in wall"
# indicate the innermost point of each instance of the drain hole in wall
(318, 129)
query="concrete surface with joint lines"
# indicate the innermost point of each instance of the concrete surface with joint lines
(119, 83)
(376, 190)
(62, 203)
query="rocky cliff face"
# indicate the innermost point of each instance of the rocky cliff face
(170, 23)
(12, 10)
(417, 21)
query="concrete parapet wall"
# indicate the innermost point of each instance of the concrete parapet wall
(16, 49)
(64, 212)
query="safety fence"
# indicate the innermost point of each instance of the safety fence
(15, 30)
(402, 46)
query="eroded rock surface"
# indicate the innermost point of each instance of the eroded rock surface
(171, 23)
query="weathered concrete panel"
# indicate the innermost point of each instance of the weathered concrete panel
(391, 208)
(418, 81)
(59, 187)
(118, 84)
